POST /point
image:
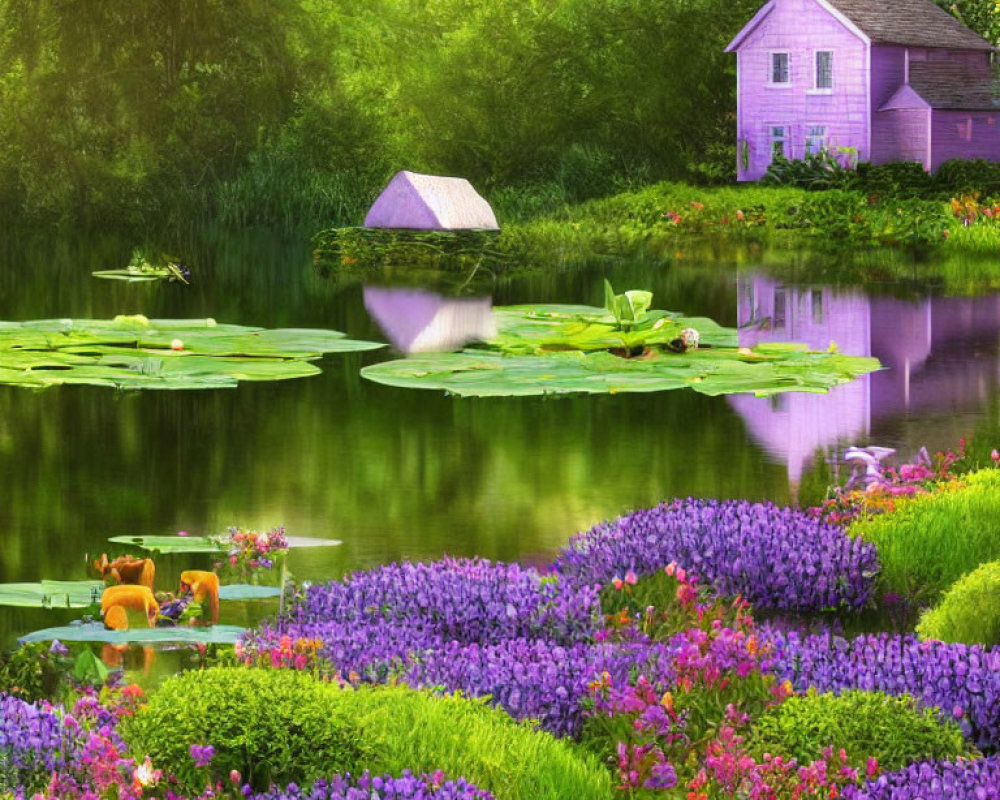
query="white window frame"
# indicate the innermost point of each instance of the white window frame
(786, 140)
(770, 69)
(816, 89)
(809, 136)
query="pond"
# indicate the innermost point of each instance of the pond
(399, 473)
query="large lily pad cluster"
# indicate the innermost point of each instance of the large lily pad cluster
(133, 352)
(624, 347)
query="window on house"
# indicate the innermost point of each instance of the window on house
(778, 138)
(815, 139)
(779, 68)
(824, 69)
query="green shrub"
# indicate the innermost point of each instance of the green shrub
(929, 542)
(968, 175)
(822, 170)
(969, 611)
(277, 726)
(417, 731)
(897, 731)
(902, 178)
(274, 726)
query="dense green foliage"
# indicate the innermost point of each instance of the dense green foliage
(274, 726)
(896, 731)
(283, 725)
(969, 611)
(929, 542)
(297, 110)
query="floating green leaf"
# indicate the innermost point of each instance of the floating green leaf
(96, 632)
(246, 591)
(171, 544)
(132, 352)
(50, 594)
(564, 349)
(206, 544)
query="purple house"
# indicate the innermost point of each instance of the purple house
(896, 80)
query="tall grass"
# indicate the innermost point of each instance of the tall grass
(932, 540)
(467, 738)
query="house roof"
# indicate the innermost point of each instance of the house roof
(913, 23)
(917, 23)
(430, 202)
(947, 85)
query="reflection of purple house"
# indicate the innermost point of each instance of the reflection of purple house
(898, 80)
(940, 357)
(423, 322)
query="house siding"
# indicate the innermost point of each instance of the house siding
(900, 135)
(964, 134)
(800, 27)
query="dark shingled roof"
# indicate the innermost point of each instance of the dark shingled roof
(947, 85)
(917, 23)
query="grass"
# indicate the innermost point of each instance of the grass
(467, 738)
(929, 542)
(969, 611)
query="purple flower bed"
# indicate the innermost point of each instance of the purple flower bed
(405, 787)
(962, 680)
(35, 739)
(465, 600)
(533, 679)
(942, 780)
(777, 558)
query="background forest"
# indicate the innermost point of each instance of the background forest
(295, 112)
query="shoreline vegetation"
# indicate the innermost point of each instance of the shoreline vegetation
(616, 671)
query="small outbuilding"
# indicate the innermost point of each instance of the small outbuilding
(430, 203)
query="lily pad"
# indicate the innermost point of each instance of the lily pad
(246, 591)
(51, 594)
(96, 632)
(566, 349)
(206, 544)
(133, 352)
(171, 544)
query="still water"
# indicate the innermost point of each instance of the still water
(398, 473)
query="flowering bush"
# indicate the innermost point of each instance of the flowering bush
(963, 779)
(74, 755)
(874, 488)
(35, 740)
(730, 772)
(774, 557)
(250, 551)
(406, 787)
(962, 680)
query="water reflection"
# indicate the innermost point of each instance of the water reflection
(423, 322)
(940, 357)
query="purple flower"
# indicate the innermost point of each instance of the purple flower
(202, 754)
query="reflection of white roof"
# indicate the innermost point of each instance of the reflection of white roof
(430, 202)
(422, 322)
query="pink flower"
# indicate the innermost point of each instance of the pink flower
(630, 578)
(871, 768)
